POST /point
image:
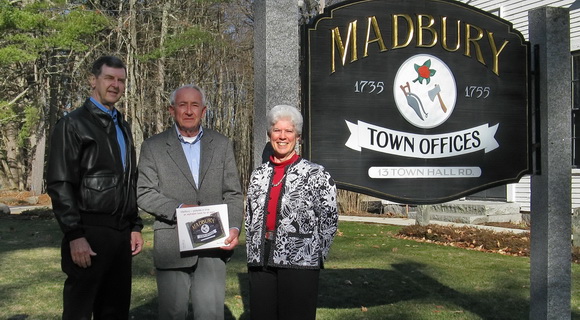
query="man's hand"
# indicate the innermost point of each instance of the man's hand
(136, 242)
(231, 241)
(81, 252)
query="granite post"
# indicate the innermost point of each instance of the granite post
(276, 63)
(550, 275)
(423, 216)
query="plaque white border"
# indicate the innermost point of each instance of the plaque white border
(185, 215)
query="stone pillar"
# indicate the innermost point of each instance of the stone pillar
(423, 216)
(550, 289)
(276, 63)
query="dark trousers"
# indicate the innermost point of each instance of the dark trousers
(283, 294)
(102, 290)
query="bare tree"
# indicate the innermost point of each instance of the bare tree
(165, 44)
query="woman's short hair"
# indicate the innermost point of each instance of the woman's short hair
(192, 86)
(285, 112)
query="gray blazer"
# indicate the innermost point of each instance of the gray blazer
(165, 182)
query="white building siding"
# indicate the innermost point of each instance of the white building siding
(523, 193)
(575, 188)
(516, 12)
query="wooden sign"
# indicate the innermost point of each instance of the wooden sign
(420, 101)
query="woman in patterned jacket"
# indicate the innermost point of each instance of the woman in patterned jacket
(290, 223)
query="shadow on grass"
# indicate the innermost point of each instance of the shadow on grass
(358, 288)
(365, 288)
(148, 311)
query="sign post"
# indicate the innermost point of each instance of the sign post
(276, 63)
(551, 220)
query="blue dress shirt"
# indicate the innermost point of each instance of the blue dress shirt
(120, 136)
(191, 148)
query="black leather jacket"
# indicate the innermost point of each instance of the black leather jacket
(85, 176)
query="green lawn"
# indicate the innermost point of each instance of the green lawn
(369, 275)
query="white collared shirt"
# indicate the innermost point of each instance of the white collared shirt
(192, 150)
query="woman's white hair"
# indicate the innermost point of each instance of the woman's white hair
(285, 112)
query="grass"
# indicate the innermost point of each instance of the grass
(371, 274)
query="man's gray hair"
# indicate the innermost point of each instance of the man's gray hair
(285, 112)
(192, 86)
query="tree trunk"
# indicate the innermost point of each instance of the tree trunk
(47, 120)
(132, 70)
(160, 102)
(12, 168)
(37, 163)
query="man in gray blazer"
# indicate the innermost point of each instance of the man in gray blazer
(185, 166)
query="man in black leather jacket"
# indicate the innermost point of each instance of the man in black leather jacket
(91, 179)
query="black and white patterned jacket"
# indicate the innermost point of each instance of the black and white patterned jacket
(307, 216)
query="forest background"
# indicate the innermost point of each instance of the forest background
(47, 48)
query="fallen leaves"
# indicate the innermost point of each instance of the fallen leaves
(469, 238)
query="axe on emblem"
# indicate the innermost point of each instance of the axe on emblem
(435, 93)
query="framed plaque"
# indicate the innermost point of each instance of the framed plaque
(202, 227)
